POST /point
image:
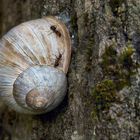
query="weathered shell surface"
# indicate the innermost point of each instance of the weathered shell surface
(44, 79)
(33, 45)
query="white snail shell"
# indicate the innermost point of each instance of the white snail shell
(34, 61)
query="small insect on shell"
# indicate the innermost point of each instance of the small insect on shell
(53, 28)
(34, 60)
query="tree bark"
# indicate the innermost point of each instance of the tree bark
(98, 105)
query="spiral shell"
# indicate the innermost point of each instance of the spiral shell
(34, 61)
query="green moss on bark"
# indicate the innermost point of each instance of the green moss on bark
(104, 94)
(118, 69)
(115, 4)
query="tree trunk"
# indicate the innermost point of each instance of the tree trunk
(103, 101)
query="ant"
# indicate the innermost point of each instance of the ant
(57, 61)
(58, 33)
(53, 28)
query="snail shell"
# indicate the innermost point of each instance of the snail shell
(34, 61)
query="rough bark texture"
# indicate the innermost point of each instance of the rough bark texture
(103, 101)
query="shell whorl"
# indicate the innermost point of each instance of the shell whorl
(39, 88)
(30, 82)
(36, 100)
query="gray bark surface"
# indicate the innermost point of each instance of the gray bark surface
(84, 115)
